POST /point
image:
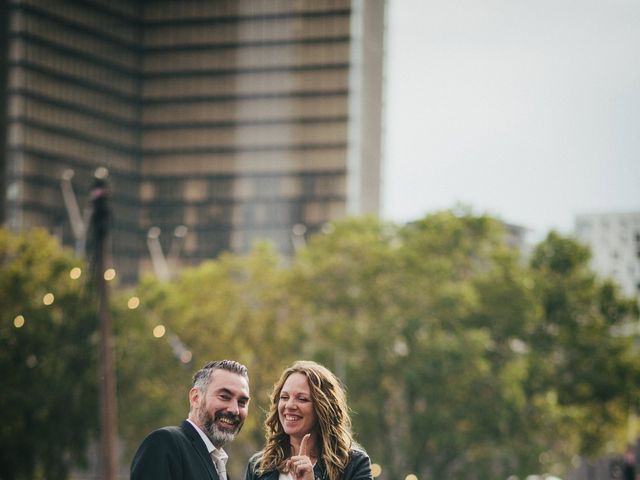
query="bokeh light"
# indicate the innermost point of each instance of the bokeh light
(186, 356)
(75, 273)
(411, 476)
(159, 331)
(18, 322)
(133, 303)
(48, 298)
(376, 470)
(109, 274)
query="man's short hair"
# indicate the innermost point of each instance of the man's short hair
(202, 377)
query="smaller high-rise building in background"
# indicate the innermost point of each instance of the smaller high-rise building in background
(614, 239)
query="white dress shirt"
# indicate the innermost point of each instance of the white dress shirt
(217, 454)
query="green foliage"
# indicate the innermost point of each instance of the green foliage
(420, 336)
(233, 307)
(461, 358)
(48, 364)
(591, 370)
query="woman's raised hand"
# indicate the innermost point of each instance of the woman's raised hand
(300, 465)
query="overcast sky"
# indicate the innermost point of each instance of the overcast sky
(525, 109)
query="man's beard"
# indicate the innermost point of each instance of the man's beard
(218, 436)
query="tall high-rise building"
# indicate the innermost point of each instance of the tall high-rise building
(614, 239)
(239, 119)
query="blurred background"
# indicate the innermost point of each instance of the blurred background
(438, 201)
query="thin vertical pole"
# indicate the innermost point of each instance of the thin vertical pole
(100, 222)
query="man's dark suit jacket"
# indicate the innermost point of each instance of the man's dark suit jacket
(173, 453)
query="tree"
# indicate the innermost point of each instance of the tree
(399, 308)
(577, 356)
(440, 331)
(47, 359)
(461, 358)
(233, 307)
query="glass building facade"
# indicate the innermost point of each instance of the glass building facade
(238, 119)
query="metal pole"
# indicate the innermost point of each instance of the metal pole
(158, 260)
(100, 222)
(73, 210)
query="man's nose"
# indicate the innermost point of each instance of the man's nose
(233, 407)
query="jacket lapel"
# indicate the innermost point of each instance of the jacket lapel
(200, 447)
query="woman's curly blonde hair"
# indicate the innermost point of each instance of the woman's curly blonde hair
(333, 422)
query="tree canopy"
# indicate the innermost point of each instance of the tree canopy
(47, 359)
(461, 356)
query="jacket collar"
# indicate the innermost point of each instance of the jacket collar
(201, 448)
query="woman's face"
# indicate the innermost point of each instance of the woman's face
(295, 406)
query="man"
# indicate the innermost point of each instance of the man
(218, 405)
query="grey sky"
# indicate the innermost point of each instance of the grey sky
(527, 110)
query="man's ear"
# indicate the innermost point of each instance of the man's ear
(194, 396)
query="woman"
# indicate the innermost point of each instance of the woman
(308, 430)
